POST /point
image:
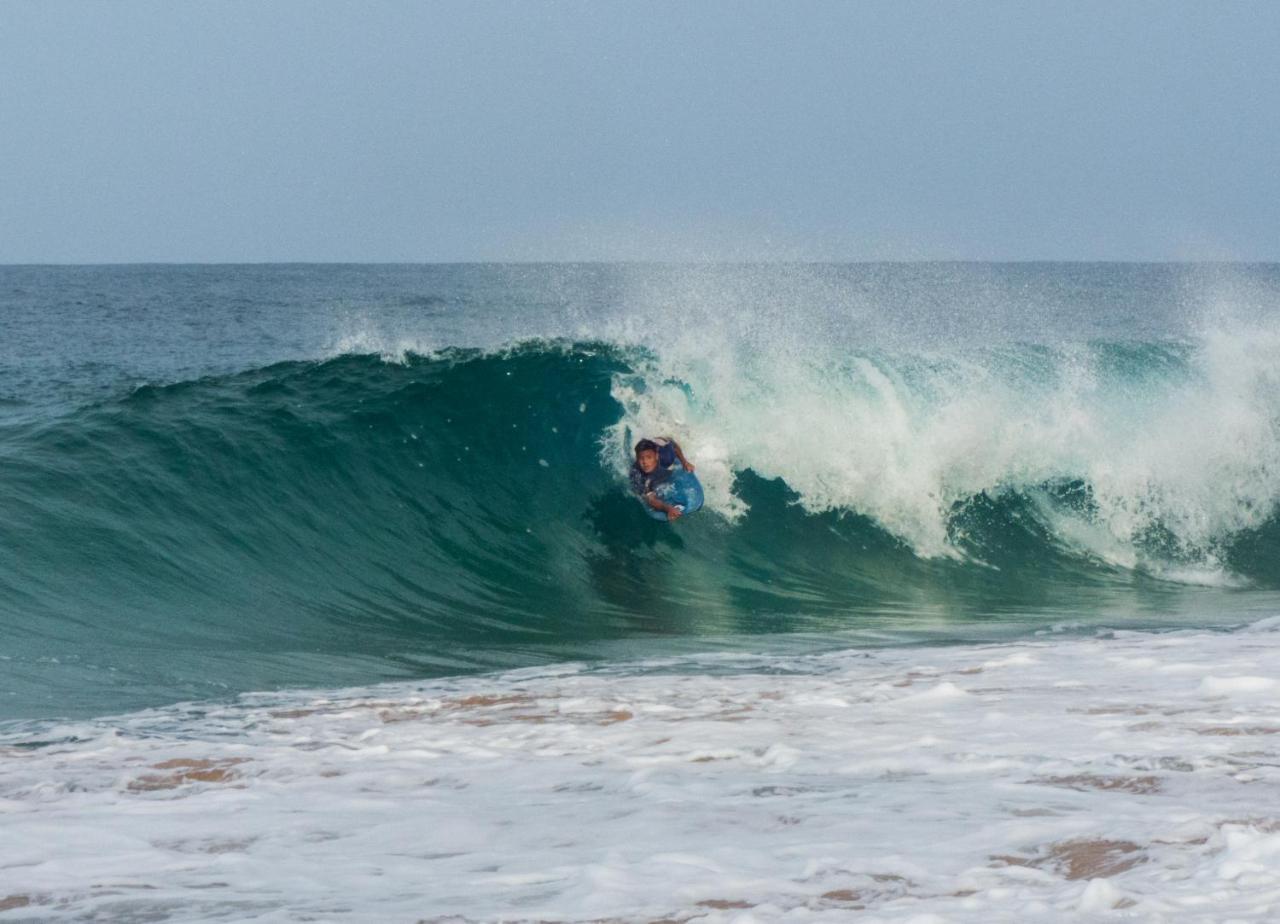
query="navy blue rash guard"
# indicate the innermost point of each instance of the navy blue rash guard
(643, 483)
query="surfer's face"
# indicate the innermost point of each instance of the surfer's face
(647, 459)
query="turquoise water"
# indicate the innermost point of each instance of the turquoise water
(217, 479)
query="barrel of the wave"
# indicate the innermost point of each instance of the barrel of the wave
(682, 489)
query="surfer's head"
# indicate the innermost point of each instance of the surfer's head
(647, 455)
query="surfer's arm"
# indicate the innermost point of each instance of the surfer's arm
(688, 466)
(671, 510)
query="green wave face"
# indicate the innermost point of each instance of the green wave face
(356, 519)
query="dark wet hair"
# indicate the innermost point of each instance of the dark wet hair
(646, 444)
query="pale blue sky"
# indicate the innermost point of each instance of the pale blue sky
(397, 131)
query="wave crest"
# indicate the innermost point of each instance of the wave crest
(1149, 455)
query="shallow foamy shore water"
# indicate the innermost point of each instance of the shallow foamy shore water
(1125, 775)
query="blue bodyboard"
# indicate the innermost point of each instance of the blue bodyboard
(682, 489)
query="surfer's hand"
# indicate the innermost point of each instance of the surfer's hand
(688, 466)
(674, 513)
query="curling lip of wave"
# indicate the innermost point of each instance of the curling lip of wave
(1137, 454)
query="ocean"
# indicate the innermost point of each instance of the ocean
(322, 596)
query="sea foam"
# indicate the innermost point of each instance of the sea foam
(1141, 455)
(1045, 778)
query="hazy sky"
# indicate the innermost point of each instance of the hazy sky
(427, 131)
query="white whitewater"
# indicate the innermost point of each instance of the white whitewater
(1125, 775)
(1177, 439)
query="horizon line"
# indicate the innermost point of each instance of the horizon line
(689, 263)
